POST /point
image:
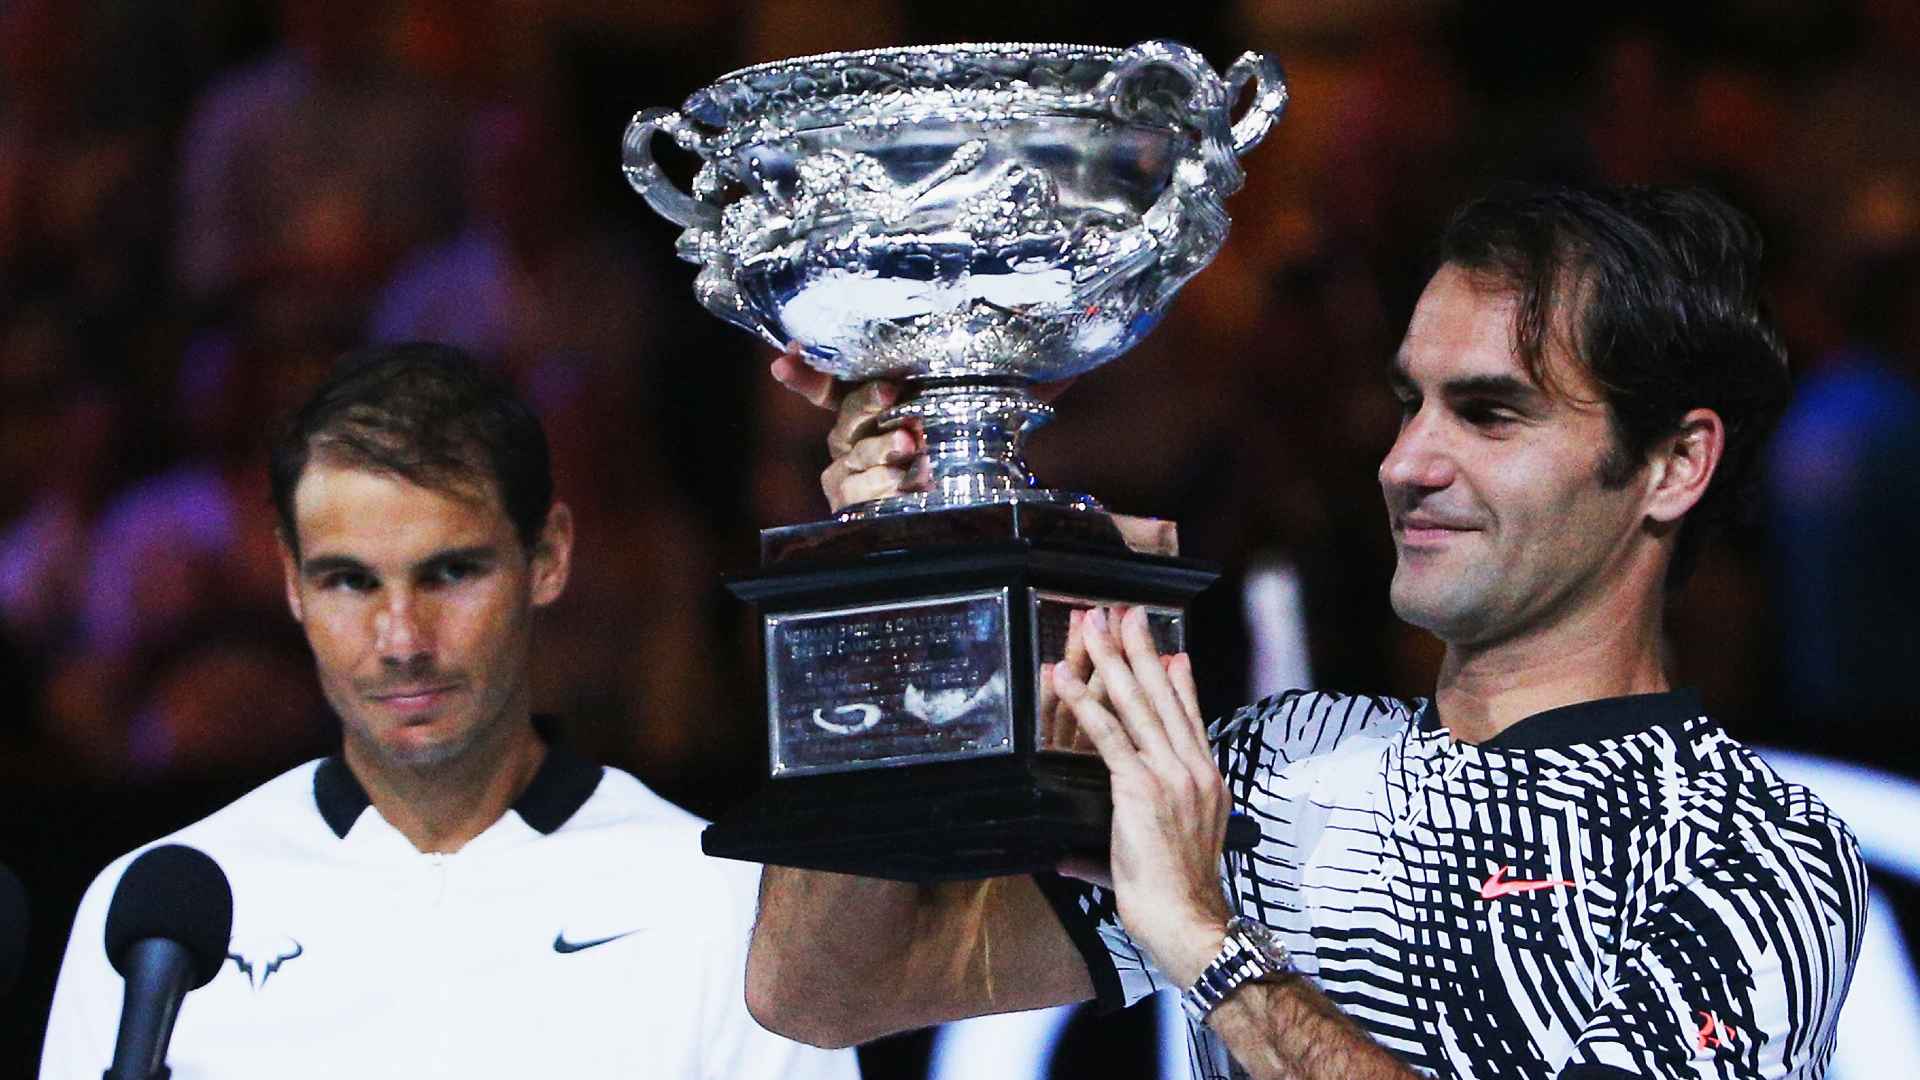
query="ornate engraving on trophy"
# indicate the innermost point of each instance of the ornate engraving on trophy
(971, 220)
(1051, 614)
(859, 687)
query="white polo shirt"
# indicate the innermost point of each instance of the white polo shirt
(582, 935)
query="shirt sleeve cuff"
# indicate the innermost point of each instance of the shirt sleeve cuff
(1588, 1071)
(1075, 904)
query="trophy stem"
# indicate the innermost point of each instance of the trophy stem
(976, 431)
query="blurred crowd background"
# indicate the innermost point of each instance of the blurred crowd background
(203, 202)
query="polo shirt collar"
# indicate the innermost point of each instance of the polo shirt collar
(560, 787)
(1588, 721)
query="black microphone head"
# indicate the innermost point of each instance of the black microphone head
(15, 920)
(1243, 833)
(177, 893)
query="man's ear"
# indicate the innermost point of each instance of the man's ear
(290, 573)
(1682, 465)
(553, 555)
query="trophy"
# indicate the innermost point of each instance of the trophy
(970, 221)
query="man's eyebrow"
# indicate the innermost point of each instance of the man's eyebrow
(1503, 387)
(471, 553)
(1397, 376)
(321, 565)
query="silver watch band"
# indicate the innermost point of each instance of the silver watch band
(1250, 953)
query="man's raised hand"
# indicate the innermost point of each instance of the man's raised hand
(1170, 804)
(867, 463)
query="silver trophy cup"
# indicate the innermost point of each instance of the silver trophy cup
(969, 220)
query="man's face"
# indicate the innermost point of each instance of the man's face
(418, 604)
(1500, 518)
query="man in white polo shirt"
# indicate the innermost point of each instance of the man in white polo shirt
(450, 895)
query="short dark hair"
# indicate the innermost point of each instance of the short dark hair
(425, 413)
(1657, 292)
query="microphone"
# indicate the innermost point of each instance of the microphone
(167, 932)
(1243, 833)
(15, 920)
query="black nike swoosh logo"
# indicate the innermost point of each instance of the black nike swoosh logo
(563, 946)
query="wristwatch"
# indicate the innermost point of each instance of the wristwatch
(1251, 953)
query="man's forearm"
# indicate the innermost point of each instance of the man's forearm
(838, 960)
(826, 949)
(1288, 1030)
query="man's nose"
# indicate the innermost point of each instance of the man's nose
(401, 630)
(1420, 458)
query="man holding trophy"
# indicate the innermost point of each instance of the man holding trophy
(1556, 866)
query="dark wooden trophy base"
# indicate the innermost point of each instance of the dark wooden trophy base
(851, 606)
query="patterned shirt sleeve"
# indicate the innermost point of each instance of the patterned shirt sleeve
(1120, 970)
(1738, 968)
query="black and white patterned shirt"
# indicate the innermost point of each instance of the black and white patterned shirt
(1611, 889)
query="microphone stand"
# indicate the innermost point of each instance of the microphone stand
(159, 974)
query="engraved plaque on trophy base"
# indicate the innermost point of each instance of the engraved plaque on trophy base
(903, 658)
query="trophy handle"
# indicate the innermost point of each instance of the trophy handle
(1206, 108)
(1269, 98)
(637, 162)
(1207, 95)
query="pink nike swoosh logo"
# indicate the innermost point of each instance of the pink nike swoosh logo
(1497, 885)
(1713, 1034)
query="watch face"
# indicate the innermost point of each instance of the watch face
(1256, 932)
(1262, 940)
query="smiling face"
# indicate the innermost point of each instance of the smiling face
(1501, 519)
(418, 604)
